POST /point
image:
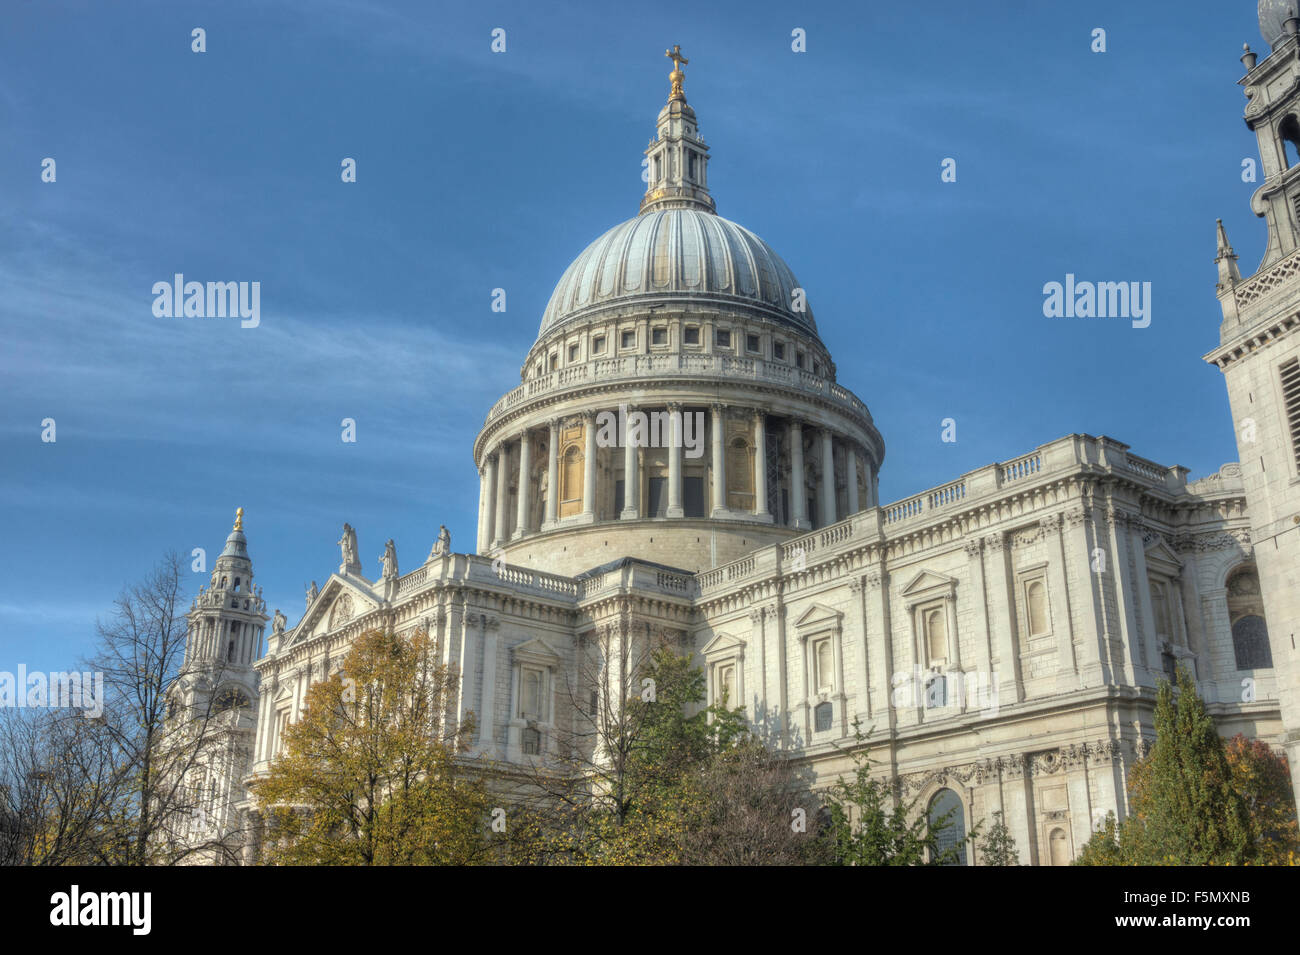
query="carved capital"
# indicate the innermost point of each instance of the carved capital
(1052, 522)
(994, 542)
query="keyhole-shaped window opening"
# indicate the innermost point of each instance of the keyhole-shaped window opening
(1289, 131)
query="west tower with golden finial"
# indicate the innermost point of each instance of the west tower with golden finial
(216, 696)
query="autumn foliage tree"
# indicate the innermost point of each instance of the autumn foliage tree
(370, 774)
(1263, 779)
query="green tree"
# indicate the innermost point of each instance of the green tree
(870, 826)
(999, 846)
(1185, 810)
(1103, 847)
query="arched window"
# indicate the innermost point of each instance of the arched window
(1250, 643)
(948, 823)
(824, 662)
(1289, 132)
(1036, 603)
(236, 583)
(531, 704)
(936, 635)
(1058, 847)
(230, 652)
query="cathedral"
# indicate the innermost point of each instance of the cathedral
(680, 464)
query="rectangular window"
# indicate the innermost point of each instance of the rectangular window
(659, 336)
(1290, 372)
(751, 343)
(778, 351)
(691, 335)
(693, 496)
(598, 345)
(573, 353)
(555, 360)
(658, 494)
(799, 359)
(722, 338)
(690, 162)
(629, 339)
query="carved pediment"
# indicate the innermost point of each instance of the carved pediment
(929, 584)
(339, 602)
(1161, 558)
(536, 651)
(818, 615)
(722, 645)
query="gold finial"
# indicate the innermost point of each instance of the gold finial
(675, 54)
(239, 519)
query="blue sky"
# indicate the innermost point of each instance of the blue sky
(479, 170)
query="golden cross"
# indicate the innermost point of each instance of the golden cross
(675, 54)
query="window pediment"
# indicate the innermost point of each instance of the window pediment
(1162, 560)
(928, 585)
(722, 645)
(818, 617)
(536, 652)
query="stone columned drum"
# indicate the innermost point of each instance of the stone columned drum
(678, 404)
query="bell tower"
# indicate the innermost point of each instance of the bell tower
(216, 693)
(1259, 355)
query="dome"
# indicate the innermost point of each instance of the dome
(677, 256)
(1272, 15)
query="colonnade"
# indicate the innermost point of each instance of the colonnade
(509, 471)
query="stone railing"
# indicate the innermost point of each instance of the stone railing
(1068, 454)
(634, 367)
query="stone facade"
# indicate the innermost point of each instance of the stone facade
(998, 639)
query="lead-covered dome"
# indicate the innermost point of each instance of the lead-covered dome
(678, 256)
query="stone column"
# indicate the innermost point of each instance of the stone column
(798, 500)
(631, 477)
(487, 716)
(479, 543)
(1067, 672)
(503, 493)
(489, 504)
(675, 413)
(719, 464)
(1000, 600)
(851, 472)
(589, 466)
(525, 466)
(760, 467)
(553, 475)
(828, 478)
